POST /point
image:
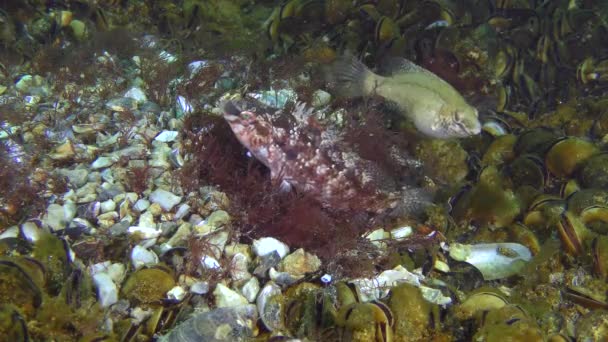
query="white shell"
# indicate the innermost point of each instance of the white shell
(493, 260)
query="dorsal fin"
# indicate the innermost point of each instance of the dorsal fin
(397, 65)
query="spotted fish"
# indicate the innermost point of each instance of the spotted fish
(308, 157)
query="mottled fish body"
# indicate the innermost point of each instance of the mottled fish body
(313, 160)
(434, 106)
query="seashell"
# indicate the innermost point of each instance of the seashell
(481, 301)
(270, 308)
(493, 260)
(572, 232)
(567, 154)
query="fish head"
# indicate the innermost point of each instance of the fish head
(454, 122)
(250, 127)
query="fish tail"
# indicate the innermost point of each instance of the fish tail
(349, 76)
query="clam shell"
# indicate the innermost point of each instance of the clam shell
(493, 260)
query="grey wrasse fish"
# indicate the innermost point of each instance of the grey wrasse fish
(435, 107)
(306, 156)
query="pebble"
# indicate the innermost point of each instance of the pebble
(107, 206)
(58, 216)
(225, 297)
(107, 292)
(267, 262)
(200, 287)
(177, 293)
(267, 245)
(141, 205)
(215, 221)
(210, 263)
(167, 136)
(141, 256)
(136, 94)
(239, 268)
(320, 98)
(144, 232)
(122, 104)
(165, 199)
(76, 177)
(300, 263)
(401, 232)
(251, 289)
(102, 162)
(182, 211)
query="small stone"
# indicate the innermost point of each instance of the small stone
(182, 211)
(165, 199)
(177, 293)
(300, 263)
(63, 151)
(251, 289)
(107, 206)
(79, 29)
(154, 210)
(167, 136)
(141, 205)
(401, 232)
(102, 162)
(107, 292)
(239, 268)
(320, 98)
(181, 235)
(210, 263)
(215, 221)
(139, 315)
(136, 94)
(200, 287)
(225, 297)
(140, 256)
(58, 216)
(144, 232)
(267, 245)
(76, 177)
(266, 262)
(122, 104)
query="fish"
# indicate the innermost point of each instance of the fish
(308, 157)
(432, 104)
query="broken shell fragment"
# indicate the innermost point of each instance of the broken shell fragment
(493, 260)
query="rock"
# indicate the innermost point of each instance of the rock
(251, 289)
(122, 104)
(300, 263)
(320, 98)
(107, 206)
(167, 136)
(225, 297)
(210, 263)
(200, 287)
(141, 205)
(141, 256)
(136, 94)
(265, 263)
(215, 221)
(165, 199)
(239, 268)
(221, 324)
(177, 293)
(102, 162)
(63, 151)
(267, 245)
(58, 216)
(107, 292)
(401, 232)
(76, 177)
(182, 211)
(181, 235)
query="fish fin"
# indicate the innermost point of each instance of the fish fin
(348, 76)
(397, 65)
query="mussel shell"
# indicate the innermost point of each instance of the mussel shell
(573, 233)
(23, 289)
(527, 169)
(594, 171)
(535, 141)
(13, 326)
(566, 154)
(582, 199)
(599, 248)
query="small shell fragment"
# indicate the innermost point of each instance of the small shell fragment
(493, 260)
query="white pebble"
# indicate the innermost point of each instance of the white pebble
(107, 206)
(145, 232)
(102, 162)
(136, 94)
(320, 98)
(401, 232)
(177, 293)
(251, 289)
(165, 199)
(200, 287)
(141, 205)
(167, 136)
(140, 256)
(107, 292)
(225, 297)
(268, 245)
(210, 263)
